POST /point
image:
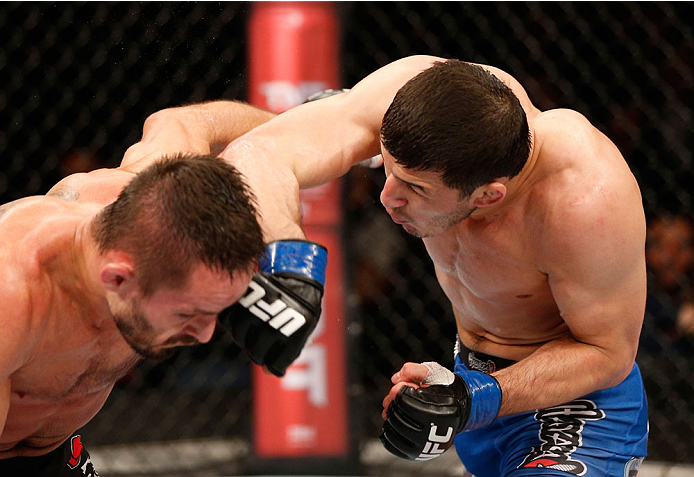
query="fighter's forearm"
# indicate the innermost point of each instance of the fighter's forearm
(208, 128)
(222, 121)
(204, 128)
(215, 123)
(558, 372)
(314, 140)
(276, 190)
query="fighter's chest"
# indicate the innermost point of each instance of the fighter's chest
(73, 371)
(494, 263)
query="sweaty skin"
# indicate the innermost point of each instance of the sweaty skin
(61, 351)
(546, 267)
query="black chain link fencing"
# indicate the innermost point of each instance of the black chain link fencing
(77, 81)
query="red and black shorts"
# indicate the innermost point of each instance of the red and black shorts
(70, 459)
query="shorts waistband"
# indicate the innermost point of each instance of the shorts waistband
(480, 361)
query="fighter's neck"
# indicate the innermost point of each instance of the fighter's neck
(516, 187)
(76, 270)
(520, 183)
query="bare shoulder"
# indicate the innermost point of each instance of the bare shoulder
(585, 193)
(569, 146)
(30, 223)
(29, 227)
(559, 131)
(99, 186)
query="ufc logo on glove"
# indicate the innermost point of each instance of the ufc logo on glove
(280, 316)
(454, 402)
(431, 448)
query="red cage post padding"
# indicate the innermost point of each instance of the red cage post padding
(293, 53)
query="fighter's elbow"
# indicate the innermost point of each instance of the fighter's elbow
(619, 367)
(153, 120)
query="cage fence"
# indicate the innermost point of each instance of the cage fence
(77, 81)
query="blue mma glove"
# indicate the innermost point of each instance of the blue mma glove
(282, 305)
(421, 423)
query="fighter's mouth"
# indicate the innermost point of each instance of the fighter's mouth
(398, 219)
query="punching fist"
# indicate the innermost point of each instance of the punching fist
(282, 305)
(429, 405)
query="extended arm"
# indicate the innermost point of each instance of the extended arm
(291, 272)
(322, 140)
(204, 128)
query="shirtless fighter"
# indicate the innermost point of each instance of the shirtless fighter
(122, 264)
(535, 226)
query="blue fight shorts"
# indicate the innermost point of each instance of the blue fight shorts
(602, 434)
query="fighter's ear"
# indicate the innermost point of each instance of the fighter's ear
(489, 194)
(118, 273)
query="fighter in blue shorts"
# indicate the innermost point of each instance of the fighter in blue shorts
(601, 434)
(535, 227)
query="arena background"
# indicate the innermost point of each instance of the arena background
(77, 81)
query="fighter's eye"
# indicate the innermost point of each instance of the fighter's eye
(417, 190)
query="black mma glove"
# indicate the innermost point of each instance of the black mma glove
(281, 307)
(421, 423)
(325, 94)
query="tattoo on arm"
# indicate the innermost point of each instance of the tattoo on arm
(65, 193)
(61, 191)
(5, 207)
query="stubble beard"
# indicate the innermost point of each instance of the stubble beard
(440, 224)
(138, 333)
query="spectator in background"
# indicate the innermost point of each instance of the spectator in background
(374, 261)
(670, 262)
(79, 160)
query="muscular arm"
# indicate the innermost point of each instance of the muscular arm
(322, 140)
(594, 259)
(319, 141)
(204, 128)
(316, 142)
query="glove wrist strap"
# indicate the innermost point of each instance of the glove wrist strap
(485, 399)
(295, 256)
